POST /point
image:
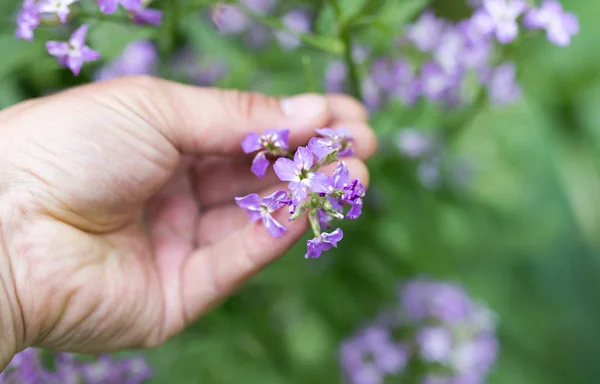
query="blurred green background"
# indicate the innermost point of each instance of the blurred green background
(522, 235)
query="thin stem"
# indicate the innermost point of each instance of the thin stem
(169, 32)
(314, 222)
(346, 38)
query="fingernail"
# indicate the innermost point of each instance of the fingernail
(304, 106)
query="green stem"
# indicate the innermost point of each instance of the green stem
(346, 38)
(169, 32)
(314, 222)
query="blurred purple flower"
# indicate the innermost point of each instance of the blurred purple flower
(28, 20)
(323, 242)
(74, 53)
(229, 19)
(138, 58)
(559, 25)
(413, 143)
(499, 17)
(435, 344)
(434, 83)
(335, 76)
(502, 85)
(147, 16)
(298, 172)
(425, 32)
(296, 22)
(258, 208)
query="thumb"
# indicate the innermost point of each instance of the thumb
(211, 120)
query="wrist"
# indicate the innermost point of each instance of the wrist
(11, 328)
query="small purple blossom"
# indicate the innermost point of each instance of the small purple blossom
(296, 22)
(298, 172)
(499, 17)
(338, 139)
(425, 32)
(258, 208)
(28, 20)
(323, 242)
(58, 7)
(74, 53)
(273, 142)
(502, 85)
(229, 19)
(352, 191)
(413, 143)
(147, 16)
(559, 25)
(138, 58)
(110, 6)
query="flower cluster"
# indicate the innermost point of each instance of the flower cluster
(437, 333)
(74, 52)
(322, 196)
(31, 366)
(233, 20)
(443, 61)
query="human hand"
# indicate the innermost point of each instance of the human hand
(117, 221)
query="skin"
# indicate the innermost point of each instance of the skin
(117, 221)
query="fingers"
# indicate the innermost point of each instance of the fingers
(214, 121)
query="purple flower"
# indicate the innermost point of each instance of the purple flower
(229, 19)
(435, 343)
(138, 58)
(448, 53)
(422, 299)
(323, 242)
(110, 6)
(502, 86)
(559, 25)
(352, 192)
(258, 208)
(499, 17)
(335, 76)
(146, 16)
(74, 53)
(27, 20)
(296, 22)
(413, 143)
(273, 142)
(298, 172)
(58, 7)
(434, 82)
(338, 139)
(426, 32)
(138, 370)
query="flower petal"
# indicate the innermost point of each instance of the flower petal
(286, 169)
(318, 182)
(57, 48)
(251, 202)
(320, 147)
(275, 200)
(78, 37)
(304, 158)
(260, 164)
(131, 5)
(327, 132)
(299, 191)
(251, 143)
(88, 54)
(273, 226)
(108, 6)
(74, 63)
(340, 175)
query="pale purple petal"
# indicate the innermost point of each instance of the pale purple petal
(318, 182)
(131, 5)
(78, 37)
(299, 191)
(507, 31)
(304, 158)
(327, 132)
(286, 169)
(108, 6)
(260, 164)
(147, 16)
(280, 137)
(89, 54)
(250, 202)
(74, 63)
(355, 211)
(320, 147)
(275, 200)
(340, 175)
(57, 48)
(251, 143)
(273, 226)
